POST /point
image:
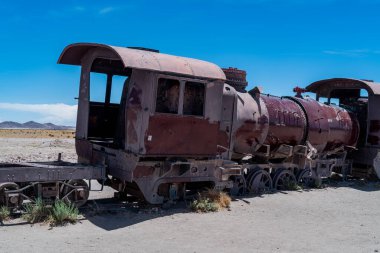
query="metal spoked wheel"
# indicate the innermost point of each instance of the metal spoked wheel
(12, 201)
(304, 178)
(75, 192)
(284, 180)
(239, 186)
(259, 182)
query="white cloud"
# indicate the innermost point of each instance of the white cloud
(352, 52)
(79, 8)
(55, 113)
(106, 10)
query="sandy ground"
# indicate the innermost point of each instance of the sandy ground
(343, 218)
(36, 149)
(36, 133)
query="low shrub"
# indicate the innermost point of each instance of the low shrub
(36, 212)
(63, 213)
(292, 186)
(4, 213)
(59, 213)
(211, 201)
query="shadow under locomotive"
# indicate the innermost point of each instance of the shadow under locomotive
(112, 213)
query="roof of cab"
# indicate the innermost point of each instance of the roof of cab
(147, 60)
(324, 87)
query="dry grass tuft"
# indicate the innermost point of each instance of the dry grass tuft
(211, 201)
(219, 197)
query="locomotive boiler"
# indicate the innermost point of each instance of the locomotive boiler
(160, 127)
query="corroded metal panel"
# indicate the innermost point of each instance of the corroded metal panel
(169, 134)
(324, 87)
(344, 128)
(287, 122)
(138, 105)
(329, 127)
(227, 117)
(141, 59)
(373, 137)
(250, 124)
(318, 126)
(48, 171)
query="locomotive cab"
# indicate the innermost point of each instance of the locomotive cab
(361, 97)
(154, 120)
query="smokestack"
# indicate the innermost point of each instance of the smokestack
(236, 78)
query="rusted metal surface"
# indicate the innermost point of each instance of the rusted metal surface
(236, 78)
(362, 99)
(49, 171)
(317, 122)
(141, 59)
(180, 135)
(325, 87)
(287, 122)
(250, 124)
(344, 128)
(373, 133)
(329, 127)
(143, 171)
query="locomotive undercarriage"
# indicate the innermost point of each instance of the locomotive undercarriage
(49, 181)
(160, 181)
(305, 169)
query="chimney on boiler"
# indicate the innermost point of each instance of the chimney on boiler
(236, 78)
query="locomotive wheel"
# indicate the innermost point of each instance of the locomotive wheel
(77, 197)
(260, 182)
(283, 180)
(249, 176)
(5, 187)
(239, 186)
(304, 178)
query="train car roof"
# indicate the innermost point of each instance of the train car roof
(324, 87)
(147, 60)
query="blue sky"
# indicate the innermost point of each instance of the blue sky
(281, 44)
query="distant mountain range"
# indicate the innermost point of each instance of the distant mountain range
(32, 125)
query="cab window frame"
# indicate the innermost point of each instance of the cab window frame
(182, 81)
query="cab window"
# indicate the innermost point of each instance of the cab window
(193, 100)
(167, 95)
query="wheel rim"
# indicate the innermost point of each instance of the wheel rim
(6, 187)
(284, 179)
(304, 178)
(260, 182)
(77, 193)
(239, 186)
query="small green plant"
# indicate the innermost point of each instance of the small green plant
(211, 201)
(62, 213)
(318, 184)
(292, 186)
(4, 213)
(204, 205)
(36, 212)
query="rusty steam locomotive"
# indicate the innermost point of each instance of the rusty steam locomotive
(167, 125)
